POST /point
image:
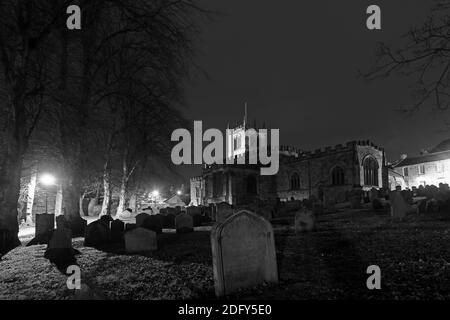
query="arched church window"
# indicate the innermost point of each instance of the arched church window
(370, 168)
(337, 176)
(295, 181)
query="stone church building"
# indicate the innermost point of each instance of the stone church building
(328, 174)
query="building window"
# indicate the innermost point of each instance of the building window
(440, 167)
(422, 169)
(405, 172)
(370, 167)
(295, 182)
(337, 176)
(251, 185)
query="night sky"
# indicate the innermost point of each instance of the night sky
(296, 64)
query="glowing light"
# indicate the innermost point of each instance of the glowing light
(47, 179)
(179, 192)
(155, 193)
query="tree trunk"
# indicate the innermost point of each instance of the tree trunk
(10, 173)
(123, 183)
(106, 205)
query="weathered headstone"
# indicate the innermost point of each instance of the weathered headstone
(97, 233)
(243, 250)
(184, 223)
(153, 223)
(399, 207)
(117, 229)
(163, 211)
(140, 240)
(224, 210)
(168, 221)
(304, 221)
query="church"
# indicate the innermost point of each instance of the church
(328, 174)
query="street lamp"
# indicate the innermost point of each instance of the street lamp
(47, 180)
(179, 192)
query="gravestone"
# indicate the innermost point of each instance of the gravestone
(59, 250)
(243, 251)
(61, 239)
(140, 240)
(224, 210)
(304, 221)
(61, 222)
(193, 211)
(177, 210)
(117, 229)
(163, 211)
(184, 223)
(106, 219)
(130, 226)
(168, 221)
(97, 234)
(44, 223)
(140, 218)
(153, 223)
(171, 210)
(399, 207)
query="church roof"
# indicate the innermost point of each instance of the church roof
(443, 146)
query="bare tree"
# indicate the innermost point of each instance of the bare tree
(425, 58)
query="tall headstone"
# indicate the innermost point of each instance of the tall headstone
(184, 223)
(44, 223)
(224, 210)
(140, 240)
(243, 250)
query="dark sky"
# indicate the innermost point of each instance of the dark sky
(296, 64)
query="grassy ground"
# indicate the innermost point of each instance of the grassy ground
(329, 263)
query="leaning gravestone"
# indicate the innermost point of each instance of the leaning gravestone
(304, 221)
(153, 223)
(399, 207)
(97, 233)
(224, 210)
(184, 223)
(140, 240)
(243, 251)
(117, 229)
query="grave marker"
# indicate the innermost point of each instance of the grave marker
(243, 250)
